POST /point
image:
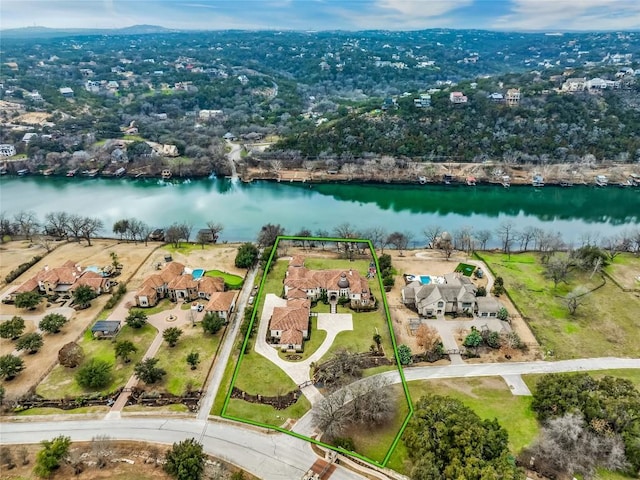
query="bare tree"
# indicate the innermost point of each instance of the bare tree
(268, 234)
(102, 447)
(349, 169)
(372, 402)
(506, 232)
(568, 446)
(378, 237)
(525, 237)
(575, 298)
(276, 167)
(45, 242)
(75, 223)
(57, 224)
(90, 227)
(215, 229)
(483, 236)
(145, 231)
(27, 223)
(329, 414)
(615, 245)
(173, 235)
(399, 240)
(558, 269)
(432, 232)
(185, 230)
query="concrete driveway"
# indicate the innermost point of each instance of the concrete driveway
(332, 323)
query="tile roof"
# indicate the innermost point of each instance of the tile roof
(182, 282)
(211, 285)
(220, 302)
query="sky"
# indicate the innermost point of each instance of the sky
(513, 15)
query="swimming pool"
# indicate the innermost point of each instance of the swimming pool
(425, 279)
(197, 273)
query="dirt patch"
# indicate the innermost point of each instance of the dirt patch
(13, 254)
(33, 118)
(627, 274)
(128, 461)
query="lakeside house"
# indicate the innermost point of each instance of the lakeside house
(64, 280)
(7, 150)
(176, 283)
(457, 98)
(457, 295)
(301, 282)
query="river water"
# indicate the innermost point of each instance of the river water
(244, 208)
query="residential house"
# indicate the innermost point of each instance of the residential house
(513, 97)
(92, 86)
(106, 328)
(26, 138)
(389, 103)
(222, 303)
(574, 84)
(487, 307)
(456, 295)
(423, 102)
(301, 282)
(496, 97)
(457, 98)
(64, 280)
(66, 92)
(7, 150)
(289, 325)
(177, 283)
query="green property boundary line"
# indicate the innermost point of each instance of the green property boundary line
(405, 388)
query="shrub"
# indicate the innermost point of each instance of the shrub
(52, 323)
(136, 318)
(185, 460)
(10, 366)
(70, 355)
(49, 458)
(481, 292)
(147, 371)
(94, 374)
(247, 255)
(20, 269)
(344, 442)
(404, 355)
(212, 323)
(503, 314)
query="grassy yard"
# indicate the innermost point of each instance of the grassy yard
(625, 269)
(258, 375)
(489, 397)
(60, 382)
(374, 443)
(265, 413)
(58, 411)
(225, 384)
(164, 304)
(231, 281)
(173, 360)
(135, 138)
(365, 326)
(604, 325)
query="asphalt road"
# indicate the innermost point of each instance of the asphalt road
(269, 456)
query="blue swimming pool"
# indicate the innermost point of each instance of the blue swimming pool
(197, 273)
(425, 279)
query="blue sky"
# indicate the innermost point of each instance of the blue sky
(545, 15)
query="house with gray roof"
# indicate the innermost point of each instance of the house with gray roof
(456, 296)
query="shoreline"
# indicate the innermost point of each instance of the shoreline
(328, 179)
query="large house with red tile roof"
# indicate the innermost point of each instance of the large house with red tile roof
(300, 282)
(222, 303)
(177, 283)
(64, 280)
(289, 325)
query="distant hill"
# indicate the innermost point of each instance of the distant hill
(45, 32)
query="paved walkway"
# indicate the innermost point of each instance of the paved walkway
(206, 403)
(333, 324)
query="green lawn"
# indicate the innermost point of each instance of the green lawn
(58, 411)
(489, 397)
(258, 375)
(311, 345)
(605, 325)
(173, 360)
(231, 281)
(164, 304)
(225, 384)
(365, 326)
(374, 442)
(266, 414)
(135, 138)
(61, 383)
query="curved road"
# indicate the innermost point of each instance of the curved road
(271, 456)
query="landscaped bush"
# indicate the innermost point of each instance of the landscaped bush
(115, 298)
(20, 269)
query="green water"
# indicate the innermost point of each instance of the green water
(244, 208)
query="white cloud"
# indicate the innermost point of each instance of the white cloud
(571, 15)
(405, 14)
(422, 9)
